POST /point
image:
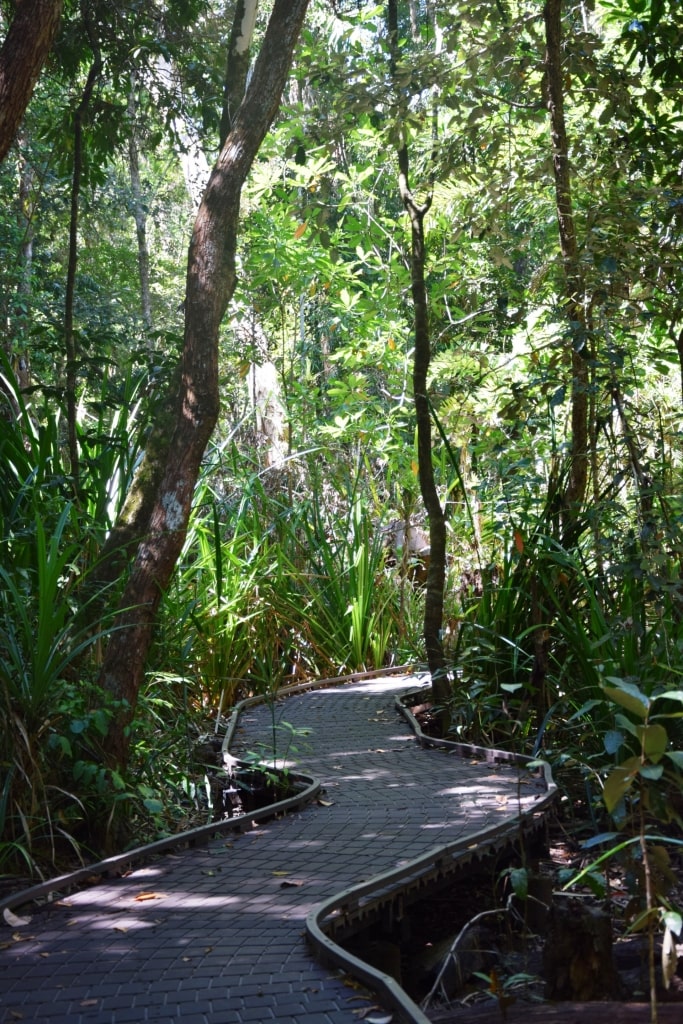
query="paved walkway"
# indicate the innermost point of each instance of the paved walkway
(216, 935)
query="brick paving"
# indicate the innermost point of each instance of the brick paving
(221, 939)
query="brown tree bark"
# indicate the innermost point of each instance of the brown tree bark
(210, 283)
(436, 572)
(575, 489)
(22, 55)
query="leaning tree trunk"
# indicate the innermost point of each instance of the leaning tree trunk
(436, 573)
(210, 285)
(22, 55)
(575, 489)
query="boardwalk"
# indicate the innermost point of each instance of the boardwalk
(216, 935)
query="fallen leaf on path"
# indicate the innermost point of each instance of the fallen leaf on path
(142, 896)
(13, 920)
(326, 803)
(279, 874)
(290, 885)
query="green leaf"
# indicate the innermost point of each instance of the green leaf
(654, 740)
(603, 837)
(619, 781)
(676, 756)
(626, 724)
(629, 696)
(519, 879)
(154, 806)
(613, 740)
(670, 695)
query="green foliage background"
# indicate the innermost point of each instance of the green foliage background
(285, 571)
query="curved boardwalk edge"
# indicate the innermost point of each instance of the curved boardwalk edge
(113, 865)
(349, 903)
(439, 861)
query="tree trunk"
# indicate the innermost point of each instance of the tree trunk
(239, 56)
(436, 572)
(72, 266)
(575, 489)
(27, 44)
(210, 284)
(139, 211)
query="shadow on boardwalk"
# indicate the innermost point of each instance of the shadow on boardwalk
(216, 935)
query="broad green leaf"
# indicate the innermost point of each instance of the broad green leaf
(654, 740)
(670, 695)
(619, 781)
(519, 879)
(613, 740)
(676, 756)
(629, 696)
(626, 724)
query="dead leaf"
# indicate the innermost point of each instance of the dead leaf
(13, 921)
(290, 885)
(142, 896)
(120, 928)
(325, 803)
(279, 874)
(89, 1002)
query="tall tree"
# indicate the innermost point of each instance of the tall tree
(23, 53)
(210, 283)
(436, 574)
(575, 490)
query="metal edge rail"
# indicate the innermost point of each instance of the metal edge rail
(189, 838)
(319, 920)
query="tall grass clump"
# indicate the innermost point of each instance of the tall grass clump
(55, 796)
(269, 590)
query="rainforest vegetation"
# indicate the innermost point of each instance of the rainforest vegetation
(338, 335)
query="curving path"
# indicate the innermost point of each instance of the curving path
(219, 937)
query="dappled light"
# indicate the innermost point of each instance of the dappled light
(342, 344)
